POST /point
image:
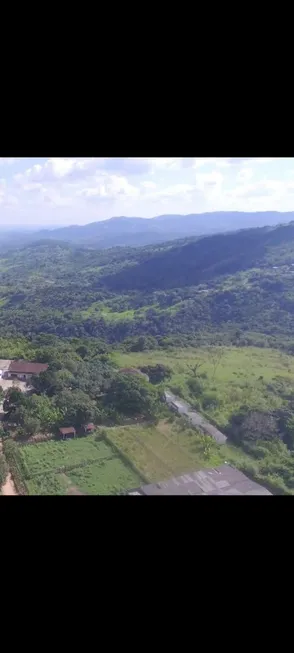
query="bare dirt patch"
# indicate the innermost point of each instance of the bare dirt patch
(72, 489)
(13, 383)
(8, 489)
(164, 427)
(4, 364)
(10, 383)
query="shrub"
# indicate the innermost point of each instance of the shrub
(102, 433)
(195, 387)
(3, 470)
(248, 468)
(18, 468)
(157, 373)
(252, 425)
(210, 401)
(177, 390)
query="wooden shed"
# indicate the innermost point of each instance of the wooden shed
(88, 428)
(67, 432)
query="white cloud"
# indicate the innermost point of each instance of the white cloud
(57, 168)
(227, 162)
(245, 174)
(62, 167)
(80, 189)
(261, 159)
(209, 181)
(109, 186)
(148, 184)
(177, 189)
(164, 162)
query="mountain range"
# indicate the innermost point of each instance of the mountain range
(124, 231)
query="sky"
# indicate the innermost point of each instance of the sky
(41, 192)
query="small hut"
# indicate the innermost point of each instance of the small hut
(88, 428)
(67, 432)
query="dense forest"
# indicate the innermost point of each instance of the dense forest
(239, 283)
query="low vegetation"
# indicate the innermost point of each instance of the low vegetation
(3, 470)
(87, 465)
(219, 380)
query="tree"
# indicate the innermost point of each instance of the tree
(142, 343)
(3, 470)
(52, 381)
(82, 351)
(195, 367)
(76, 407)
(132, 395)
(44, 382)
(216, 354)
(43, 409)
(13, 399)
(157, 373)
(285, 417)
(31, 425)
(18, 415)
(252, 425)
(195, 387)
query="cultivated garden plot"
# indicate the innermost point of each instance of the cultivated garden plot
(110, 476)
(80, 466)
(50, 456)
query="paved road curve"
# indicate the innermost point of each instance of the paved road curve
(195, 418)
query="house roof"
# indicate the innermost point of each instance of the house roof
(67, 429)
(223, 480)
(25, 367)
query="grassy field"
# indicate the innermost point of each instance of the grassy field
(171, 448)
(243, 376)
(106, 477)
(79, 466)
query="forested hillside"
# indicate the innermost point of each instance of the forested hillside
(240, 282)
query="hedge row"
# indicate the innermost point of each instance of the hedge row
(3, 470)
(16, 465)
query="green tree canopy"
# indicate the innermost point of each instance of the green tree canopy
(252, 425)
(132, 395)
(157, 373)
(76, 407)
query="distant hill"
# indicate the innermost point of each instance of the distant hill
(133, 232)
(208, 258)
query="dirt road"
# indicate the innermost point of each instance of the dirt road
(8, 489)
